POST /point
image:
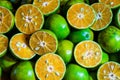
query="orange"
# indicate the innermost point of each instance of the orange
(109, 71)
(78, 16)
(112, 3)
(103, 16)
(50, 67)
(43, 41)
(28, 19)
(47, 6)
(20, 47)
(88, 54)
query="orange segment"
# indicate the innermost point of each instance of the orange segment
(111, 3)
(50, 67)
(20, 48)
(88, 53)
(103, 16)
(28, 19)
(43, 41)
(80, 16)
(6, 20)
(47, 6)
(109, 71)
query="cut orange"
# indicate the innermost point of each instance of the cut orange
(28, 19)
(109, 71)
(111, 3)
(88, 54)
(103, 16)
(50, 67)
(81, 15)
(20, 48)
(47, 6)
(6, 20)
(43, 41)
(3, 44)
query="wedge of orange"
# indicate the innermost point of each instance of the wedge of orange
(80, 16)
(50, 67)
(6, 20)
(28, 19)
(88, 54)
(112, 3)
(103, 16)
(43, 41)
(20, 48)
(47, 6)
(109, 71)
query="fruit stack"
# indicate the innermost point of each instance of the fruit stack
(59, 39)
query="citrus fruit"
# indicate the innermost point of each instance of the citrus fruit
(6, 20)
(81, 35)
(112, 3)
(76, 72)
(65, 50)
(23, 71)
(28, 19)
(58, 25)
(50, 67)
(78, 16)
(103, 16)
(47, 6)
(109, 71)
(105, 57)
(19, 46)
(43, 41)
(117, 18)
(109, 39)
(3, 44)
(88, 54)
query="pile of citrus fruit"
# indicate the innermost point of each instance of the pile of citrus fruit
(59, 39)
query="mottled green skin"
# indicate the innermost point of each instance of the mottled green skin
(105, 58)
(58, 25)
(80, 35)
(109, 39)
(65, 50)
(23, 71)
(75, 72)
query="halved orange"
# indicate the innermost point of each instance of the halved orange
(88, 54)
(50, 67)
(80, 15)
(28, 19)
(3, 44)
(109, 71)
(103, 16)
(20, 48)
(6, 20)
(111, 3)
(47, 6)
(43, 41)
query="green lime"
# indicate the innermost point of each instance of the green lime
(105, 58)
(81, 35)
(117, 18)
(65, 50)
(109, 39)
(58, 25)
(23, 71)
(75, 72)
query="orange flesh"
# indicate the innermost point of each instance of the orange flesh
(20, 47)
(109, 71)
(42, 42)
(46, 6)
(28, 19)
(5, 20)
(50, 67)
(103, 16)
(88, 53)
(3, 43)
(80, 16)
(111, 3)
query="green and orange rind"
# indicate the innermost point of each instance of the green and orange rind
(117, 18)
